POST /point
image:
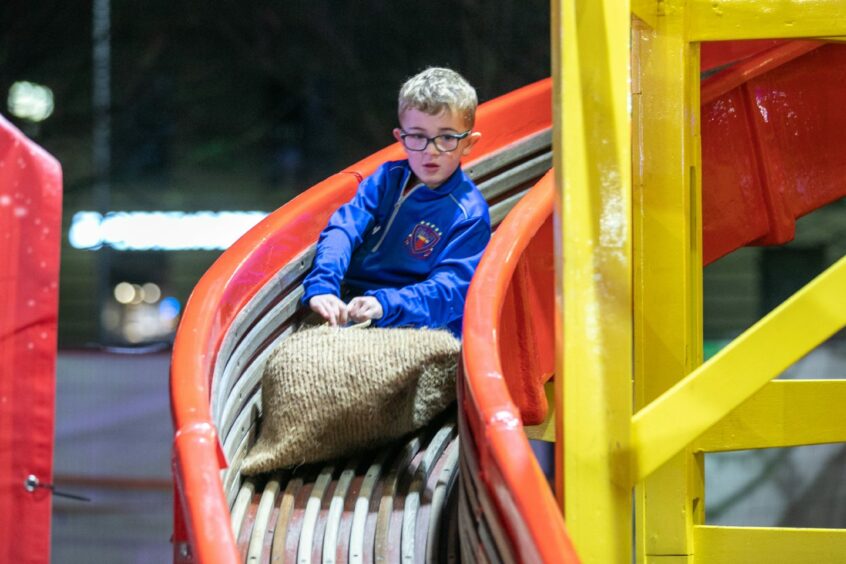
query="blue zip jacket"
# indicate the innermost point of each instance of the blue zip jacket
(415, 253)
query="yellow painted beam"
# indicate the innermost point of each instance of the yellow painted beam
(593, 207)
(718, 20)
(545, 431)
(667, 257)
(784, 413)
(668, 424)
(646, 10)
(742, 545)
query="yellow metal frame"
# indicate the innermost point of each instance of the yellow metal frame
(628, 223)
(593, 171)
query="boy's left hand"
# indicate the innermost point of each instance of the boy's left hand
(363, 308)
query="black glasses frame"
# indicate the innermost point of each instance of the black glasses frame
(434, 140)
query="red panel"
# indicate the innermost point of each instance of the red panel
(799, 117)
(733, 207)
(30, 227)
(527, 342)
(717, 54)
(770, 146)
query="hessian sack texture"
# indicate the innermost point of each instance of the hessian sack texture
(328, 392)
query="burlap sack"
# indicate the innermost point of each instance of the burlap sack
(328, 392)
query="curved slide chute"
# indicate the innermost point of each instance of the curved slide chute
(248, 302)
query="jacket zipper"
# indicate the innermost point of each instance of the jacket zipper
(393, 216)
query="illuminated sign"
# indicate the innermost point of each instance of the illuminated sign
(159, 230)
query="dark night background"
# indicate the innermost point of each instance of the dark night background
(236, 106)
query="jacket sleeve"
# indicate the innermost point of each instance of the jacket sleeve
(341, 236)
(439, 299)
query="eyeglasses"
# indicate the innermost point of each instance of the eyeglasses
(444, 143)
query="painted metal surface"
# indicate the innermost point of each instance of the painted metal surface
(733, 375)
(721, 20)
(665, 289)
(740, 545)
(716, 55)
(782, 414)
(506, 466)
(594, 287)
(519, 249)
(30, 234)
(670, 500)
(775, 139)
(667, 256)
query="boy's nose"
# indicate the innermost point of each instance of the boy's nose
(431, 149)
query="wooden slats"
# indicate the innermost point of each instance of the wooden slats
(286, 510)
(435, 505)
(242, 502)
(331, 539)
(261, 525)
(483, 537)
(387, 506)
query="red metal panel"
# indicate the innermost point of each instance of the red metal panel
(799, 118)
(717, 54)
(770, 150)
(527, 342)
(734, 211)
(30, 227)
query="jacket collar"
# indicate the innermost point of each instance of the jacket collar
(426, 193)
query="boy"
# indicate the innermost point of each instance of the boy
(408, 242)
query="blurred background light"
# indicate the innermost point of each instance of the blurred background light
(31, 101)
(162, 231)
(84, 232)
(151, 293)
(124, 292)
(169, 308)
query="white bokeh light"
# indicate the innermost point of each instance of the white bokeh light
(31, 101)
(160, 231)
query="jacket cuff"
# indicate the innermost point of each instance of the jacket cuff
(317, 290)
(386, 308)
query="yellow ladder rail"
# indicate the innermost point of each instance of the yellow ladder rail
(669, 423)
(719, 20)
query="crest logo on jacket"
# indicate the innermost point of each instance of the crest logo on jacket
(422, 239)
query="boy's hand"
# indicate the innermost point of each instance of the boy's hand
(329, 307)
(363, 308)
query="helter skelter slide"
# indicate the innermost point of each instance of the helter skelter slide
(468, 487)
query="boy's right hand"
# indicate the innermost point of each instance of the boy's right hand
(329, 307)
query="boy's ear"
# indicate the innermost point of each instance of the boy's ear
(397, 134)
(471, 140)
